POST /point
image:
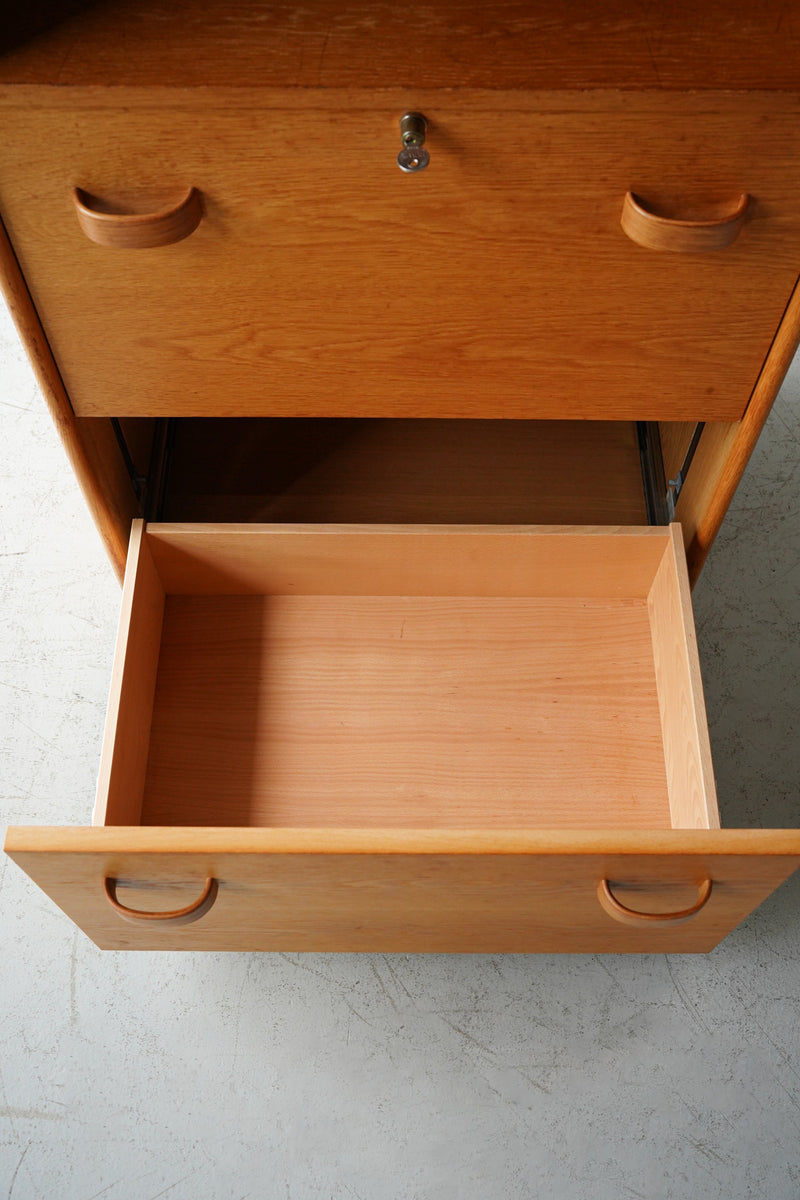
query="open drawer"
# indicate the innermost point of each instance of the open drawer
(406, 738)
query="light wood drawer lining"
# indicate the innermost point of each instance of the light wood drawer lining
(394, 676)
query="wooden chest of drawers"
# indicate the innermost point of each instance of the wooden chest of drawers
(461, 394)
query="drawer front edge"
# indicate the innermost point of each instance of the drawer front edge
(406, 891)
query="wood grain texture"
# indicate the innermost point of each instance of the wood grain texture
(89, 443)
(674, 235)
(498, 283)
(401, 711)
(675, 438)
(491, 472)
(395, 890)
(332, 43)
(419, 675)
(724, 449)
(714, 474)
(684, 726)
(408, 560)
(126, 741)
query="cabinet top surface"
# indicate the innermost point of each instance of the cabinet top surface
(497, 44)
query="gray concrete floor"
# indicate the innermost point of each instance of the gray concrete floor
(138, 1076)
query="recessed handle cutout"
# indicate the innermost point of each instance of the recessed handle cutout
(629, 916)
(655, 232)
(181, 916)
(137, 231)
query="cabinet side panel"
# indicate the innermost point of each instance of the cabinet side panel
(724, 449)
(90, 444)
(676, 437)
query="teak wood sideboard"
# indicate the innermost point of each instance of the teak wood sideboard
(408, 471)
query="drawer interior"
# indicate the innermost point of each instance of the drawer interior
(373, 470)
(406, 676)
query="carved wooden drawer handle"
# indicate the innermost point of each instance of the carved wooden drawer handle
(135, 231)
(181, 916)
(629, 916)
(683, 237)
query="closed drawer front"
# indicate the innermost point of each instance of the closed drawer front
(406, 738)
(320, 280)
